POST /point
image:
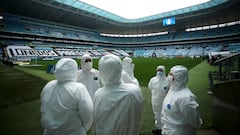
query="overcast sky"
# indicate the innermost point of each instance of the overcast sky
(134, 9)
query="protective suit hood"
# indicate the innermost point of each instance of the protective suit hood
(161, 67)
(180, 75)
(66, 106)
(86, 66)
(128, 65)
(66, 70)
(106, 74)
(163, 71)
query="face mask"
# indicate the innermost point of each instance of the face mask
(170, 79)
(88, 65)
(159, 73)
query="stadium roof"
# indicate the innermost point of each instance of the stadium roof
(80, 14)
(135, 11)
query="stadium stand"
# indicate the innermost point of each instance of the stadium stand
(60, 40)
(1, 54)
(16, 23)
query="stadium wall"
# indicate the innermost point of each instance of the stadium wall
(226, 107)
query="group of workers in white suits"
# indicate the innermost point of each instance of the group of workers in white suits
(174, 105)
(109, 100)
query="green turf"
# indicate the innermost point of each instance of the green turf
(13, 91)
(199, 83)
(147, 118)
(22, 119)
(38, 73)
(25, 118)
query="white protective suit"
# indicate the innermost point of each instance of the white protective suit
(117, 105)
(66, 106)
(159, 88)
(128, 71)
(88, 75)
(180, 109)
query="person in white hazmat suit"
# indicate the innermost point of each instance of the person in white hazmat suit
(117, 105)
(159, 88)
(66, 106)
(128, 71)
(87, 75)
(180, 109)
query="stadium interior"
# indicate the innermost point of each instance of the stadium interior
(52, 29)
